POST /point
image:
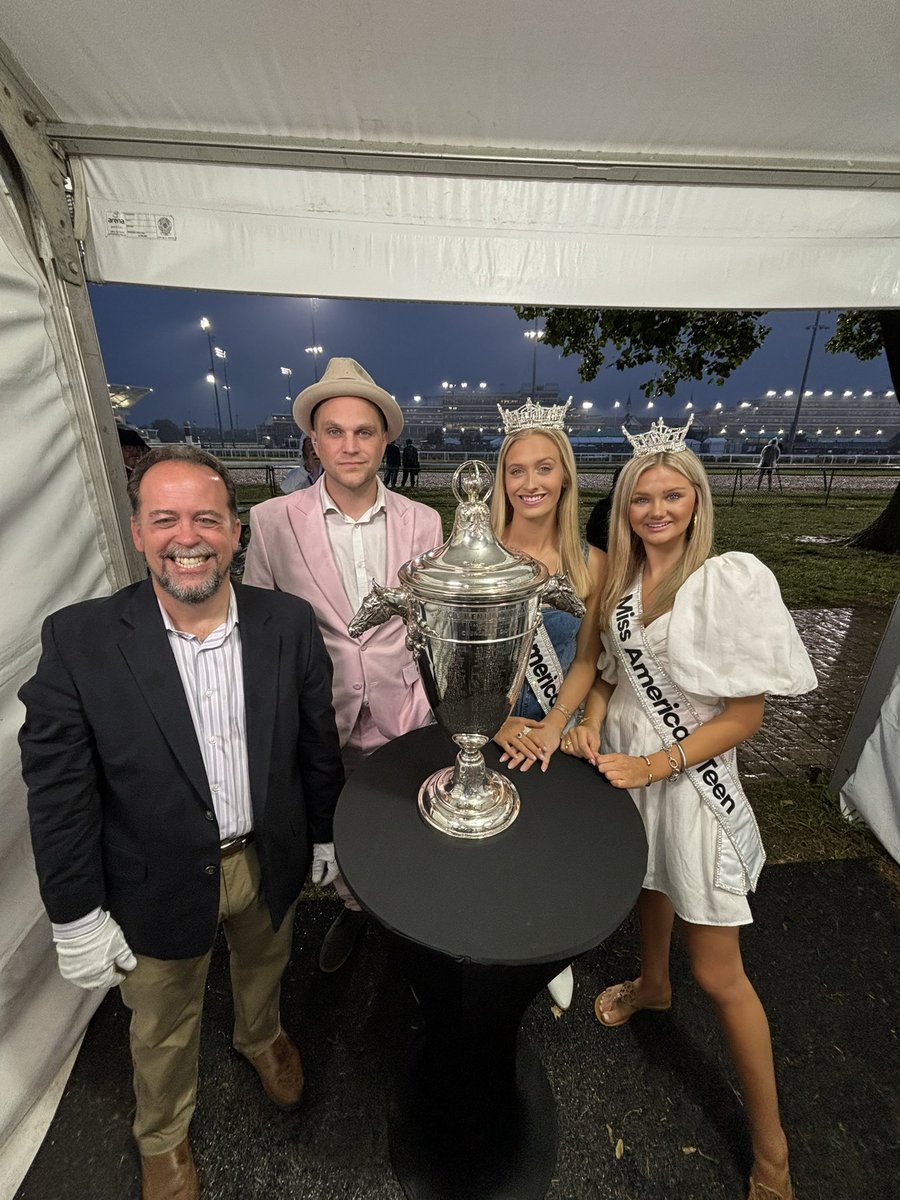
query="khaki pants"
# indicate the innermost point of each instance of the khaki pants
(166, 1001)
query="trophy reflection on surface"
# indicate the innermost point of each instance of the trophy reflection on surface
(471, 609)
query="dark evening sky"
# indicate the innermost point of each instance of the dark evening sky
(151, 337)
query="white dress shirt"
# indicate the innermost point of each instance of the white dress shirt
(359, 546)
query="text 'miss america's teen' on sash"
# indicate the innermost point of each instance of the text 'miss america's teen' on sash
(739, 849)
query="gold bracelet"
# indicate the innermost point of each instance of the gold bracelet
(680, 750)
(566, 712)
(649, 770)
(590, 724)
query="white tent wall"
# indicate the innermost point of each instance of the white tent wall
(873, 790)
(506, 153)
(58, 529)
(327, 233)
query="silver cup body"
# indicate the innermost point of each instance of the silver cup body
(472, 659)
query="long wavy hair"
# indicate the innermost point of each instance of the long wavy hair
(626, 550)
(570, 547)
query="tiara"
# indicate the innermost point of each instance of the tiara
(534, 416)
(660, 437)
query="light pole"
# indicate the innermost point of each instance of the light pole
(535, 335)
(220, 353)
(290, 382)
(815, 327)
(315, 351)
(206, 326)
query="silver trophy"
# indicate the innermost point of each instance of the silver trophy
(471, 609)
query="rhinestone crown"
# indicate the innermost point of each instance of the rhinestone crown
(659, 437)
(534, 416)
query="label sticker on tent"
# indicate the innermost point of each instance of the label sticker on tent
(140, 225)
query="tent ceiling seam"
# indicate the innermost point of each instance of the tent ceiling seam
(474, 162)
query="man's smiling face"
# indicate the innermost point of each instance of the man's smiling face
(185, 530)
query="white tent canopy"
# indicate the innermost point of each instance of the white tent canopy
(704, 154)
(696, 155)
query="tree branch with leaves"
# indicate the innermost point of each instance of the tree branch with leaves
(681, 345)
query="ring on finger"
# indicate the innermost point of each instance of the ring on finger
(525, 731)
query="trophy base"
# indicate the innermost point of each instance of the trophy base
(467, 808)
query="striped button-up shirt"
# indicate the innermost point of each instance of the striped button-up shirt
(212, 675)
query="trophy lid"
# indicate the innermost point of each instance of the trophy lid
(472, 566)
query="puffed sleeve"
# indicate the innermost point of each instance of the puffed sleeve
(607, 664)
(731, 635)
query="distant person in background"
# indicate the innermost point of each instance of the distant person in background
(305, 476)
(768, 460)
(410, 464)
(393, 459)
(133, 447)
(596, 531)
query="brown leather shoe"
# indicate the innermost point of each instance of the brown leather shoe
(338, 943)
(281, 1072)
(169, 1176)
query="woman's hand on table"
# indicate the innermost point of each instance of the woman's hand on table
(624, 770)
(525, 742)
(582, 741)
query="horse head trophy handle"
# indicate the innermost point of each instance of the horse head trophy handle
(378, 606)
(559, 593)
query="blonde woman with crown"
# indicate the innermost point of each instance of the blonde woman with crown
(692, 641)
(534, 510)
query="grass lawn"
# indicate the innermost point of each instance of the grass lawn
(825, 573)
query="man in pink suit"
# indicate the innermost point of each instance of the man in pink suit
(327, 543)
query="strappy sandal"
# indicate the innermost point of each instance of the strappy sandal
(759, 1191)
(622, 995)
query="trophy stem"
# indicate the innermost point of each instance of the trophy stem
(467, 800)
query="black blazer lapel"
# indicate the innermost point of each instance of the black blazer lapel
(145, 647)
(261, 656)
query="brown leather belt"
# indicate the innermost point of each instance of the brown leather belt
(235, 845)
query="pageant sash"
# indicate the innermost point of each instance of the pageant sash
(739, 849)
(543, 672)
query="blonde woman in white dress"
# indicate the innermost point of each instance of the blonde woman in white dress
(691, 644)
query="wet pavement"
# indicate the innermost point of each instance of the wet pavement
(801, 735)
(647, 1112)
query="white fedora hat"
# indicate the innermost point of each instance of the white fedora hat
(345, 377)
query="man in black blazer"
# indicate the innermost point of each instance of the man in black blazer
(183, 765)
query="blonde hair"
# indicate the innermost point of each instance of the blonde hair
(626, 550)
(570, 546)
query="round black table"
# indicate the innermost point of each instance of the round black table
(479, 928)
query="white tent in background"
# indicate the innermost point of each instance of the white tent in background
(649, 154)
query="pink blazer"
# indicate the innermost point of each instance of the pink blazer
(289, 551)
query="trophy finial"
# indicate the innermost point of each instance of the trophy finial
(474, 478)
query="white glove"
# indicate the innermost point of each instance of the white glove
(97, 959)
(324, 868)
